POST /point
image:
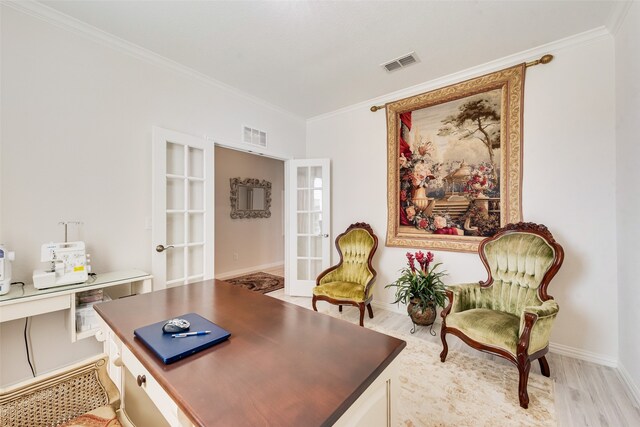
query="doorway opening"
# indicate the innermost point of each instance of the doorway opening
(249, 242)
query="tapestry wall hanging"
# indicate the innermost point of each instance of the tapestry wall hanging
(455, 162)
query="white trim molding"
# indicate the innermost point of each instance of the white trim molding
(396, 308)
(585, 355)
(249, 270)
(556, 348)
(69, 23)
(489, 67)
(618, 15)
(632, 387)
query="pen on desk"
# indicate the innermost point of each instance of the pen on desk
(190, 334)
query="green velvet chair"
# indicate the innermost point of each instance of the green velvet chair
(349, 282)
(510, 315)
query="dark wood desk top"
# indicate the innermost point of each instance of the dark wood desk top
(284, 365)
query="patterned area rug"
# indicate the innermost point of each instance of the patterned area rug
(465, 390)
(258, 282)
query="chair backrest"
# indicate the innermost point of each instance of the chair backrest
(521, 260)
(59, 396)
(356, 247)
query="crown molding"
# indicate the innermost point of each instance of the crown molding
(617, 16)
(69, 23)
(489, 67)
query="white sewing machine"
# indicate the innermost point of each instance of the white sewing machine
(68, 265)
(5, 269)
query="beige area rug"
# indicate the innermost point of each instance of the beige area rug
(465, 390)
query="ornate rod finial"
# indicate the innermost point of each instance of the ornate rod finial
(545, 59)
(376, 108)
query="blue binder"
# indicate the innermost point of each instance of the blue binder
(170, 349)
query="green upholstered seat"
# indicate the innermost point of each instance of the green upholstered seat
(510, 314)
(349, 282)
(493, 328)
(341, 290)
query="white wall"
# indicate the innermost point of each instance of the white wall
(256, 241)
(627, 45)
(568, 184)
(76, 144)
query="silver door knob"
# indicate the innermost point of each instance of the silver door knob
(162, 248)
(323, 235)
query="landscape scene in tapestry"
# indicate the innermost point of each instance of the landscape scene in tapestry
(449, 166)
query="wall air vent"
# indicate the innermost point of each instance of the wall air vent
(254, 136)
(401, 62)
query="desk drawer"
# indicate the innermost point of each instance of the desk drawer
(26, 308)
(156, 393)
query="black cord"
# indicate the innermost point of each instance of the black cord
(26, 346)
(21, 286)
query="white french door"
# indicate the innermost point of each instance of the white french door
(308, 250)
(182, 208)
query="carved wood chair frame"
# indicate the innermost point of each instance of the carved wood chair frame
(523, 359)
(339, 302)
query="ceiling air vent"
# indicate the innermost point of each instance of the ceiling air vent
(254, 136)
(401, 62)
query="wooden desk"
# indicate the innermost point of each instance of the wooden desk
(283, 365)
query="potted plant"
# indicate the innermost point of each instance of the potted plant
(420, 287)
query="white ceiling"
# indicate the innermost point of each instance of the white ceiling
(314, 57)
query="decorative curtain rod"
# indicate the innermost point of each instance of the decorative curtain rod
(545, 59)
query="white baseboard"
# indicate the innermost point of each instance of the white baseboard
(564, 350)
(561, 349)
(632, 387)
(585, 355)
(401, 309)
(248, 270)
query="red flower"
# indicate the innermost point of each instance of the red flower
(429, 257)
(410, 262)
(422, 224)
(403, 196)
(422, 260)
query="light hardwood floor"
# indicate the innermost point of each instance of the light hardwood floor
(586, 394)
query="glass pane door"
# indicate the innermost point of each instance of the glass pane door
(183, 208)
(309, 223)
(185, 212)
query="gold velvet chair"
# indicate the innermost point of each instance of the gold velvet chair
(349, 282)
(510, 315)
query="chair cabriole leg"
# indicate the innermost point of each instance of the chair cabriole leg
(544, 366)
(523, 369)
(445, 347)
(313, 303)
(340, 308)
(370, 309)
(361, 306)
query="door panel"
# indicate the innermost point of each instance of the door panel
(182, 211)
(308, 199)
